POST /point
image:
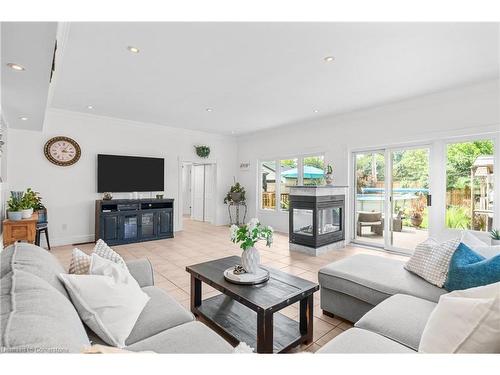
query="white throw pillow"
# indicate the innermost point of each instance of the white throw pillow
(108, 300)
(464, 321)
(431, 260)
(470, 240)
(479, 246)
(80, 262)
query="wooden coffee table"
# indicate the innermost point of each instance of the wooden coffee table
(250, 313)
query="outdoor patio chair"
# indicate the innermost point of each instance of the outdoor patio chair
(373, 220)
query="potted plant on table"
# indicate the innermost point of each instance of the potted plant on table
(329, 175)
(495, 237)
(247, 236)
(15, 206)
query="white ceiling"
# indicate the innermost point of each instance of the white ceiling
(24, 93)
(260, 75)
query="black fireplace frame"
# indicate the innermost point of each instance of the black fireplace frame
(315, 203)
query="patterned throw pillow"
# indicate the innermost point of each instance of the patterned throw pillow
(431, 260)
(80, 262)
(104, 251)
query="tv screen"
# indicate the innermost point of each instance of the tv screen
(118, 174)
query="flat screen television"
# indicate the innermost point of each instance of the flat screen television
(117, 174)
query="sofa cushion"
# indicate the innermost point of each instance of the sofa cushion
(37, 318)
(161, 312)
(356, 340)
(401, 318)
(373, 278)
(192, 337)
(35, 260)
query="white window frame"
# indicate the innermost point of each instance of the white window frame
(300, 178)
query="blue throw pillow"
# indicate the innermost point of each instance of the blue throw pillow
(468, 269)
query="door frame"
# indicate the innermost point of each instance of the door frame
(387, 203)
(178, 214)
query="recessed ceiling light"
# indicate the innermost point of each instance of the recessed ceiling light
(17, 67)
(209, 109)
(329, 58)
(23, 118)
(133, 49)
(90, 107)
(315, 111)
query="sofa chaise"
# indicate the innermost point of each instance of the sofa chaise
(353, 286)
(37, 314)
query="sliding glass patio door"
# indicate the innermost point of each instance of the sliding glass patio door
(370, 199)
(392, 197)
(409, 198)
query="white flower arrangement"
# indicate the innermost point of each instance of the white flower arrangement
(248, 234)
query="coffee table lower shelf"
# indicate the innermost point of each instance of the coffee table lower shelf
(238, 323)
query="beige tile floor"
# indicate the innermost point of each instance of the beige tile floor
(200, 242)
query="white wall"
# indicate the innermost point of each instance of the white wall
(469, 110)
(69, 192)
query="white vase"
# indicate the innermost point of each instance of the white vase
(250, 260)
(27, 213)
(495, 242)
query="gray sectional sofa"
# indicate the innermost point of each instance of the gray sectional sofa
(389, 305)
(37, 315)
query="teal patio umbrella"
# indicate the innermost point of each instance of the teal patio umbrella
(309, 172)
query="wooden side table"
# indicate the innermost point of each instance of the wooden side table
(19, 230)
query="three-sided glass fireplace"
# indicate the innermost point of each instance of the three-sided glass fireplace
(316, 221)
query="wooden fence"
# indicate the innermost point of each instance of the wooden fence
(458, 197)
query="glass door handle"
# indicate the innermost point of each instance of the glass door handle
(429, 200)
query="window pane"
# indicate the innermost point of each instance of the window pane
(314, 170)
(289, 177)
(268, 183)
(469, 185)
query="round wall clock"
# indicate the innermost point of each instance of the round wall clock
(62, 151)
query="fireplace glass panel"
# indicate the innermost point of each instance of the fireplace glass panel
(303, 221)
(329, 220)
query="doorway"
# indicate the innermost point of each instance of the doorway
(392, 197)
(198, 191)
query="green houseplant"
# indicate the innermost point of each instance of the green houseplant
(236, 194)
(495, 236)
(329, 175)
(247, 236)
(15, 206)
(202, 151)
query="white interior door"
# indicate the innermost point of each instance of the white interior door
(198, 192)
(209, 192)
(186, 189)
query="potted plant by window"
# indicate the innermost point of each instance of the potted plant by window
(495, 237)
(14, 206)
(236, 194)
(329, 175)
